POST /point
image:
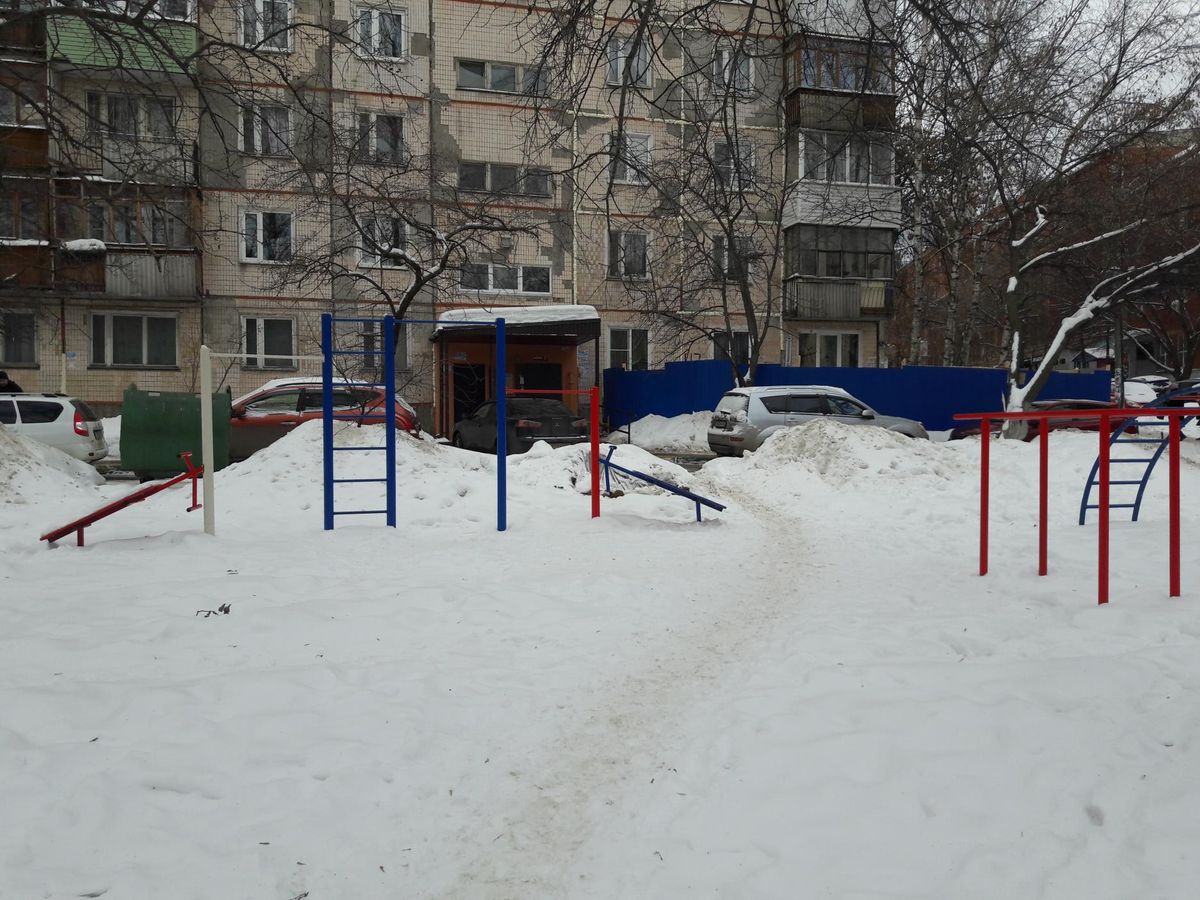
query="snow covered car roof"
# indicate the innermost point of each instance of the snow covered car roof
(788, 388)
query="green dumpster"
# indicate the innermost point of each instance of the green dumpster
(156, 426)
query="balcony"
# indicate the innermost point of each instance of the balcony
(150, 274)
(24, 147)
(836, 300)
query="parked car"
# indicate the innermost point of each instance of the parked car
(1160, 383)
(58, 420)
(1138, 393)
(1083, 423)
(745, 417)
(267, 413)
(530, 419)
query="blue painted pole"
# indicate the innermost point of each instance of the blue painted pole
(389, 381)
(501, 430)
(327, 413)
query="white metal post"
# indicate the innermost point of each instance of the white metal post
(206, 438)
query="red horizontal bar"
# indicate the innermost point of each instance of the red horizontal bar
(1137, 413)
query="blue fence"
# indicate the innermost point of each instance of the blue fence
(929, 394)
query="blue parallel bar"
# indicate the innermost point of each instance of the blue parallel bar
(341, 449)
(361, 417)
(358, 480)
(501, 430)
(389, 362)
(361, 512)
(327, 409)
(353, 352)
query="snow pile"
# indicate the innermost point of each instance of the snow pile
(570, 467)
(85, 245)
(687, 433)
(34, 473)
(112, 436)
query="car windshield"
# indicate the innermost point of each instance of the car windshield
(733, 403)
(535, 407)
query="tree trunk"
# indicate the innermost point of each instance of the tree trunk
(949, 333)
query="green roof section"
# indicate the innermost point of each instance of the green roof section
(112, 44)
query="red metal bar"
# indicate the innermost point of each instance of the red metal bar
(1131, 413)
(595, 392)
(1043, 503)
(1173, 502)
(984, 449)
(1102, 550)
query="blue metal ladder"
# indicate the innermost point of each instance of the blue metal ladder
(328, 351)
(1138, 476)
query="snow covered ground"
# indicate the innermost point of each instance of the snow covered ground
(687, 433)
(826, 702)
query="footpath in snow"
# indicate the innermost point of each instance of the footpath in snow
(811, 694)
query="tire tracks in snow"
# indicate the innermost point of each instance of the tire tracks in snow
(609, 746)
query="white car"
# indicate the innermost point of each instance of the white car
(58, 420)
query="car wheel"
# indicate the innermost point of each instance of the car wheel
(457, 441)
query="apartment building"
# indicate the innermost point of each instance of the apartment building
(313, 158)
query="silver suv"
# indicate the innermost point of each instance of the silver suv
(746, 417)
(57, 420)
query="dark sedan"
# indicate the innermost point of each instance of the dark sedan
(530, 419)
(1083, 423)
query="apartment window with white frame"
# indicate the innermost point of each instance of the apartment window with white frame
(266, 236)
(504, 278)
(502, 77)
(268, 343)
(266, 129)
(623, 55)
(631, 157)
(130, 116)
(379, 237)
(381, 33)
(15, 110)
(503, 178)
(733, 70)
(380, 137)
(266, 24)
(734, 346)
(734, 163)
(628, 254)
(733, 266)
(845, 158)
(178, 10)
(629, 349)
(829, 348)
(130, 340)
(18, 338)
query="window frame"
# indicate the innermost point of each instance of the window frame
(108, 316)
(33, 327)
(260, 260)
(719, 354)
(374, 12)
(257, 43)
(519, 289)
(628, 350)
(618, 272)
(616, 58)
(841, 351)
(739, 173)
(259, 130)
(520, 182)
(522, 70)
(842, 156)
(621, 156)
(287, 363)
(724, 56)
(366, 255)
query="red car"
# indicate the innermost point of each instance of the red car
(266, 414)
(1083, 423)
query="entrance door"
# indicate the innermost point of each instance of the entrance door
(470, 389)
(539, 377)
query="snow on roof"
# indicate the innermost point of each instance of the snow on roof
(519, 315)
(84, 245)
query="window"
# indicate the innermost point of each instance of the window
(504, 278)
(265, 24)
(629, 349)
(39, 412)
(631, 157)
(731, 266)
(276, 402)
(501, 178)
(17, 338)
(836, 252)
(266, 129)
(266, 236)
(846, 158)
(381, 33)
(842, 66)
(22, 217)
(840, 406)
(734, 164)
(164, 9)
(379, 236)
(8, 412)
(380, 137)
(627, 64)
(162, 223)
(628, 254)
(129, 116)
(738, 351)
(127, 339)
(15, 110)
(831, 349)
(268, 343)
(733, 71)
(507, 78)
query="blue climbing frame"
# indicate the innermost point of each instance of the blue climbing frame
(388, 325)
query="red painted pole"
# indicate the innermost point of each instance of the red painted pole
(595, 395)
(985, 433)
(1043, 504)
(1174, 504)
(1102, 550)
